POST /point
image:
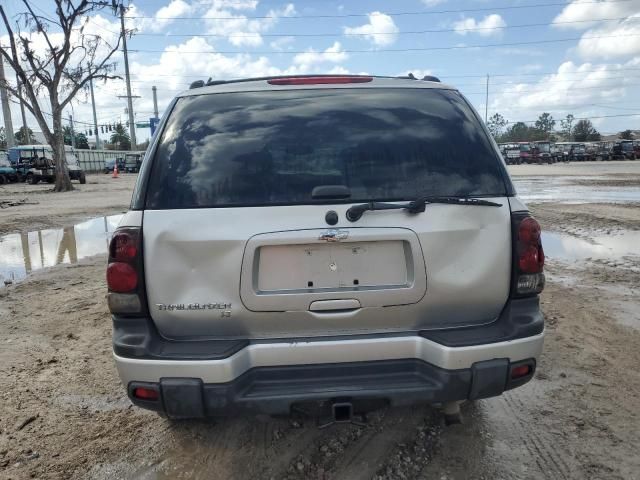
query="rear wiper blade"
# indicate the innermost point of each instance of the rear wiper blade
(355, 212)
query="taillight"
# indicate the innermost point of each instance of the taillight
(328, 80)
(148, 394)
(121, 277)
(124, 272)
(123, 246)
(528, 255)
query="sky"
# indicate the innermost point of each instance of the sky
(580, 57)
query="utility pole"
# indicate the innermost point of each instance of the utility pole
(155, 101)
(132, 125)
(6, 111)
(486, 102)
(25, 131)
(95, 117)
(73, 132)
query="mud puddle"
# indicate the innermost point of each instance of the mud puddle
(603, 247)
(573, 189)
(23, 253)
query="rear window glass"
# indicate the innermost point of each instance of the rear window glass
(274, 147)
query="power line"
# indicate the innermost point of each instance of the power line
(389, 50)
(571, 89)
(407, 32)
(171, 75)
(391, 14)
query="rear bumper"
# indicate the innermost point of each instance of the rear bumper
(314, 388)
(196, 379)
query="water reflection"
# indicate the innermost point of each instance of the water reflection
(567, 247)
(563, 189)
(23, 253)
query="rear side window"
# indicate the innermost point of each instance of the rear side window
(274, 147)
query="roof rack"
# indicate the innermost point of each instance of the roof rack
(210, 82)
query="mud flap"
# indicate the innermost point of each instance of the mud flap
(182, 397)
(488, 379)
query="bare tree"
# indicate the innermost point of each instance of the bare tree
(56, 71)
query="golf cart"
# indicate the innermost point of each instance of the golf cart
(132, 162)
(7, 172)
(34, 163)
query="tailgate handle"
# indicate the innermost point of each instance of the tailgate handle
(332, 305)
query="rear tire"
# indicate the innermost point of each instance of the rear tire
(3, 180)
(31, 179)
(83, 178)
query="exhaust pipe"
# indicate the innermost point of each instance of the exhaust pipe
(452, 414)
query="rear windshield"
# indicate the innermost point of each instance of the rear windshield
(275, 147)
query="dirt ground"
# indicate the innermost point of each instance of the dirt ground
(43, 208)
(64, 414)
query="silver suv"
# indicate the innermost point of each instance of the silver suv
(329, 244)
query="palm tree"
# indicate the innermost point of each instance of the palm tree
(120, 137)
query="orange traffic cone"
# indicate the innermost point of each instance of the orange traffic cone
(115, 171)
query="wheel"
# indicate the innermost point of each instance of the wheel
(83, 178)
(50, 179)
(3, 180)
(31, 179)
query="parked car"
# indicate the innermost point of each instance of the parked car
(602, 151)
(7, 172)
(132, 162)
(34, 163)
(545, 154)
(334, 244)
(528, 152)
(512, 154)
(109, 163)
(626, 150)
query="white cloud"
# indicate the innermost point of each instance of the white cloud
(615, 40)
(489, 25)
(585, 10)
(282, 43)
(530, 68)
(572, 88)
(239, 29)
(313, 58)
(381, 29)
(163, 17)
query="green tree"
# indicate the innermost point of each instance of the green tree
(521, 132)
(81, 141)
(81, 138)
(626, 135)
(25, 138)
(121, 138)
(496, 125)
(566, 127)
(584, 131)
(545, 124)
(54, 58)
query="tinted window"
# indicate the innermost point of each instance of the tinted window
(273, 148)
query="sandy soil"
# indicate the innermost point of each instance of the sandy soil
(44, 208)
(63, 413)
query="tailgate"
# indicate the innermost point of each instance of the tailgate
(246, 273)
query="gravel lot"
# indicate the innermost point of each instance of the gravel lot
(63, 413)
